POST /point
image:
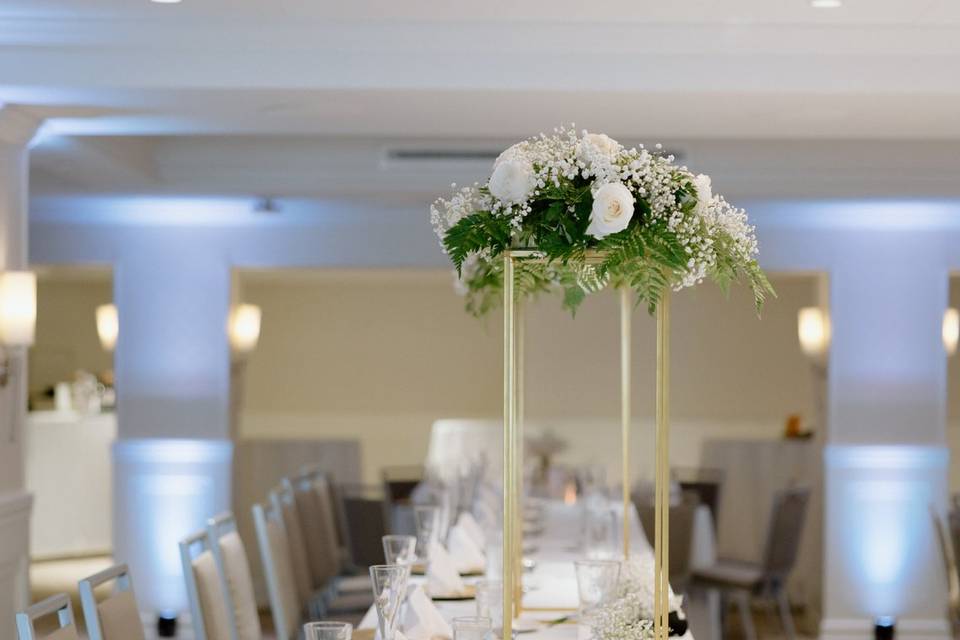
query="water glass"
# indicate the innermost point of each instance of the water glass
(489, 601)
(400, 550)
(389, 593)
(596, 584)
(600, 534)
(495, 556)
(427, 517)
(472, 628)
(327, 631)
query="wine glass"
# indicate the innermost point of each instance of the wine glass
(327, 631)
(389, 592)
(398, 549)
(427, 517)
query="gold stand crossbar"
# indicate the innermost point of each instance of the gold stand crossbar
(513, 357)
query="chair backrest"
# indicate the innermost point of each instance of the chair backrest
(117, 616)
(285, 605)
(205, 592)
(284, 500)
(681, 537)
(330, 504)
(233, 569)
(785, 532)
(58, 604)
(949, 559)
(319, 536)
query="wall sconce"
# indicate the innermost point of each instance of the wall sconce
(243, 328)
(951, 330)
(813, 330)
(108, 326)
(18, 315)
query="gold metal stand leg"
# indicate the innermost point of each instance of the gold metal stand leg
(509, 450)
(662, 510)
(626, 312)
(519, 331)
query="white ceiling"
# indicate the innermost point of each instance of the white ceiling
(302, 97)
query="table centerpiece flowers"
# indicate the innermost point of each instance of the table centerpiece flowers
(595, 213)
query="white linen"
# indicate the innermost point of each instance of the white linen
(469, 524)
(467, 556)
(421, 620)
(442, 575)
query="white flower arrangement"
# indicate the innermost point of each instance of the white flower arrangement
(654, 225)
(630, 615)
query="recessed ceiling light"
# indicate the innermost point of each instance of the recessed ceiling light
(826, 4)
(165, 1)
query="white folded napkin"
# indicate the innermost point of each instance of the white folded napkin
(421, 619)
(467, 556)
(470, 525)
(442, 576)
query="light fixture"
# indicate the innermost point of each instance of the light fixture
(826, 4)
(18, 314)
(813, 330)
(950, 330)
(243, 327)
(165, 1)
(108, 326)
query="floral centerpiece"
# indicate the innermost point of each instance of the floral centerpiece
(630, 615)
(596, 213)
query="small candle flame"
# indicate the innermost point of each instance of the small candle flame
(570, 494)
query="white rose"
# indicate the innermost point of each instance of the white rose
(512, 180)
(612, 210)
(598, 143)
(511, 153)
(704, 192)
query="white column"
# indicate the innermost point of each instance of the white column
(173, 454)
(886, 460)
(16, 130)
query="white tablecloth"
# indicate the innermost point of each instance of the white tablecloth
(552, 583)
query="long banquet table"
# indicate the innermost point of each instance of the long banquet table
(551, 586)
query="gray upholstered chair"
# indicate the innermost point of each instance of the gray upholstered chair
(236, 583)
(949, 558)
(768, 579)
(58, 604)
(681, 539)
(204, 590)
(285, 604)
(117, 616)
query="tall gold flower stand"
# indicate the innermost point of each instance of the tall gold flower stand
(513, 361)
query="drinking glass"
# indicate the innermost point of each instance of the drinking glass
(389, 592)
(327, 631)
(495, 556)
(596, 584)
(490, 603)
(471, 628)
(427, 517)
(600, 534)
(400, 550)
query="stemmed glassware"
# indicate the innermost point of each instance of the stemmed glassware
(427, 517)
(600, 533)
(490, 603)
(398, 549)
(327, 631)
(389, 593)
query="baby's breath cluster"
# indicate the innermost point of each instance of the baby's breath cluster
(655, 225)
(630, 615)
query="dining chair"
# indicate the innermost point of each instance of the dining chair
(952, 574)
(285, 603)
(236, 582)
(117, 616)
(681, 539)
(768, 579)
(204, 590)
(58, 604)
(326, 496)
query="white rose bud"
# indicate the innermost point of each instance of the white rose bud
(512, 180)
(704, 192)
(612, 210)
(600, 143)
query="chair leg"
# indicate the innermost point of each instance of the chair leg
(746, 618)
(785, 616)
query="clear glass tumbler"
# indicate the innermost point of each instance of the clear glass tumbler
(389, 593)
(596, 584)
(489, 601)
(472, 628)
(601, 534)
(399, 549)
(327, 631)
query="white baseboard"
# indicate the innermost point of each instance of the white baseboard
(906, 629)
